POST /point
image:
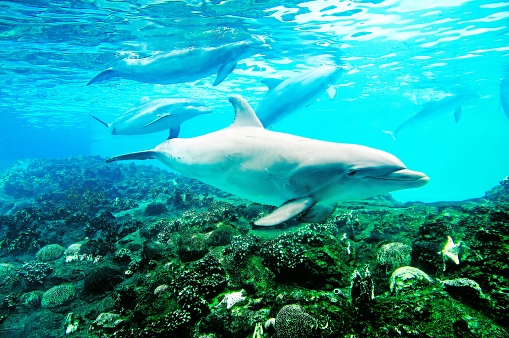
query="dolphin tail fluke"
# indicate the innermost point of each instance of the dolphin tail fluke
(103, 76)
(98, 119)
(141, 155)
(390, 133)
(331, 91)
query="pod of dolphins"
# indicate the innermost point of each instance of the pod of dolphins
(304, 178)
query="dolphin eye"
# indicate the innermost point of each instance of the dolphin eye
(114, 131)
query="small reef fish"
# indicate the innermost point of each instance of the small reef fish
(287, 96)
(432, 109)
(157, 115)
(302, 176)
(184, 65)
(504, 95)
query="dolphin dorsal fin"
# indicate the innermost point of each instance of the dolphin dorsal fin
(271, 82)
(244, 114)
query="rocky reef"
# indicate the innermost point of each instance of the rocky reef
(89, 249)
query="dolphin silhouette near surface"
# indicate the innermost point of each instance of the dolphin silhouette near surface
(287, 96)
(304, 177)
(184, 65)
(157, 115)
(432, 109)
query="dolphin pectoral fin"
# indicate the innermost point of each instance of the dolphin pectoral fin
(331, 91)
(157, 120)
(318, 212)
(287, 211)
(223, 72)
(141, 155)
(457, 114)
(97, 119)
(103, 76)
(174, 132)
(271, 83)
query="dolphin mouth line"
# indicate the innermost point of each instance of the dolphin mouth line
(403, 175)
(399, 179)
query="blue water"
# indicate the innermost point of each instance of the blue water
(402, 54)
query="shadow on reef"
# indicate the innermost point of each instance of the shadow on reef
(95, 250)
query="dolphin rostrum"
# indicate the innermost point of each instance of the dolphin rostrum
(432, 109)
(302, 176)
(184, 65)
(157, 115)
(287, 96)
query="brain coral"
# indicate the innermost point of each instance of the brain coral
(393, 255)
(58, 295)
(293, 322)
(50, 252)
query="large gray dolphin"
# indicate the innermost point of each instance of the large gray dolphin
(302, 176)
(157, 115)
(184, 65)
(432, 109)
(287, 96)
(504, 95)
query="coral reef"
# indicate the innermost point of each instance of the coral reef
(33, 273)
(153, 254)
(58, 295)
(293, 322)
(392, 256)
(50, 252)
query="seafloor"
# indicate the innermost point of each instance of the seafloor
(89, 249)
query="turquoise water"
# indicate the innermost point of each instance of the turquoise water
(401, 54)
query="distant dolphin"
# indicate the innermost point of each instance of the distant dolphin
(433, 109)
(287, 96)
(157, 115)
(504, 95)
(301, 175)
(184, 65)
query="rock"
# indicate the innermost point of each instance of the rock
(101, 280)
(408, 279)
(464, 289)
(107, 321)
(32, 299)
